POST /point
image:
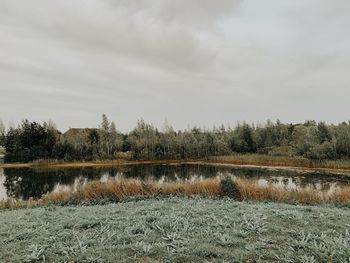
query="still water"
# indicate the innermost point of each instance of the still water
(25, 183)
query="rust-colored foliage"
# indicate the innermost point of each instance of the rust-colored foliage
(246, 190)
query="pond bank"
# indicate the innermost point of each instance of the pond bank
(225, 161)
(106, 163)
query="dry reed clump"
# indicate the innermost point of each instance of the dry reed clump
(341, 195)
(208, 187)
(14, 203)
(122, 189)
(117, 190)
(249, 189)
(56, 197)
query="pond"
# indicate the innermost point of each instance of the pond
(25, 183)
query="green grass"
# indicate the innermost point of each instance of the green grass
(177, 229)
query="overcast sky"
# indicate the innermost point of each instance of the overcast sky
(197, 62)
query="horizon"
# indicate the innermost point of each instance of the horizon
(167, 123)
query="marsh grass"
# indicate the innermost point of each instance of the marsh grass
(269, 160)
(121, 189)
(233, 187)
(251, 190)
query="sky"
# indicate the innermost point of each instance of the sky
(198, 62)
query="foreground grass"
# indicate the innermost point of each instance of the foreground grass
(176, 230)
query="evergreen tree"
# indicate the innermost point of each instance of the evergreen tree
(94, 137)
(105, 123)
(2, 133)
(323, 133)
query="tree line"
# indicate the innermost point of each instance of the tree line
(315, 141)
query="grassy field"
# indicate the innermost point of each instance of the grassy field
(176, 230)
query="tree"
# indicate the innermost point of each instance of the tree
(29, 141)
(11, 144)
(105, 123)
(323, 133)
(342, 140)
(304, 138)
(93, 137)
(2, 133)
(242, 139)
(142, 140)
(65, 151)
(247, 136)
(115, 138)
(104, 131)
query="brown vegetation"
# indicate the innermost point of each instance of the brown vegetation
(282, 161)
(251, 190)
(119, 190)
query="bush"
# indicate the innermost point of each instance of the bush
(321, 152)
(229, 188)
(284, 151)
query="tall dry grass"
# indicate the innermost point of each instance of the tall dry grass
(249, 189)
(269, 160)
(119, 190)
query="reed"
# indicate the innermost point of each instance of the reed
(119, 190)
(251, 190)
(14, 203)
(269, 160)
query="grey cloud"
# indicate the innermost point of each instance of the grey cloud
(122, 30)
(194, 13)
(193, 62)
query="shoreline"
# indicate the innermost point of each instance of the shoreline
(110, 163)
(106, 163)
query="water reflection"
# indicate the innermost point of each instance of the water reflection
(25, 183)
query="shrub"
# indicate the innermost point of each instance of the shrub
(228, 187)
(285, 150)
(321, 152)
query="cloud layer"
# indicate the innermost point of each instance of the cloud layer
(192, 62)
